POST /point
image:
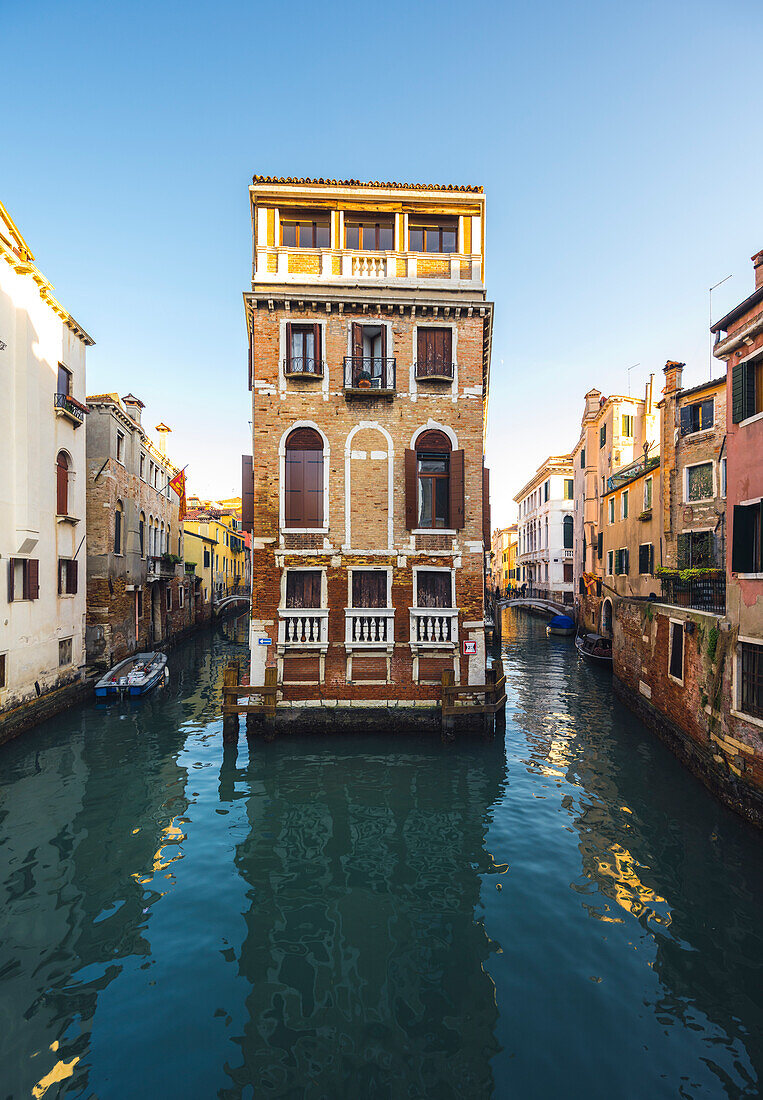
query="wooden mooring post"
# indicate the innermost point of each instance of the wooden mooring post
(495, 702)
(230, 699)
(259, 716)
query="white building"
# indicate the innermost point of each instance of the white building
(545, 530)
(42, 491)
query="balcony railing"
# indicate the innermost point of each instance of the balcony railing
(369, 376)
(159, 568)
(66, 406)
(628, 473)
(434, 626)
(369, 627)
(437, 371)
(303, 628)
(300, 366)
(287, 263)
(699, 593)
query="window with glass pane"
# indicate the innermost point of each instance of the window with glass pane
(751, 669)
(433, 237)
(434, 489)
(64, 380)
(569, 488)
(368, 235)
(302, 359)
(699, 482)
(627, 425)
(697, 417)
(648, 493)
(611, 509)
(305, 231)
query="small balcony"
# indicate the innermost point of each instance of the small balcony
(434, 627)
(300, 366)
(67, 407)
(433, 371)
(303, 628)
(369, 376)
(700, 593)
(161, 567)
(369, 628)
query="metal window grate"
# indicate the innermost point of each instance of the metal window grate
(752, 679)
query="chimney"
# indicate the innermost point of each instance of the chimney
(133, 405)
(757, 263)
(162, 429)
(592, 402)
(649, 397)
(673, 372)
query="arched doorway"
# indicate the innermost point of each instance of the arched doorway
(62, 484)
(606, 618)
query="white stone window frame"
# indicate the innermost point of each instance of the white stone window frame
(304, 569)
(284, 530)
(611, 511)
(368, 569)
(610, 563)
(685, 479)
(736, 683)
(371, 321)
(648, 481)
(452, 394)
(682, 624)
(349, 457)
(283, 381)
(435, 426)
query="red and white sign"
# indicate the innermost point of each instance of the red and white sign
(469, 649)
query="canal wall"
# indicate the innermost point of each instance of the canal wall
(49, 703)
(672, 666)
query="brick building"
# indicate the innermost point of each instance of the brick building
(369, 363)
(138, 593)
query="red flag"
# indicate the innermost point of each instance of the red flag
(178, 484)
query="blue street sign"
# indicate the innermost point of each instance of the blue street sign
(264, 641)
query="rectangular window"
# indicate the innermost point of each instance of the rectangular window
(118, 530)
(369, 234)
(546, 490)
(303, 354)
(23, 579)
(142, 466)
(181, 597)
(582, 459)
(751, 679)
(676, 658)
(304, 481)
(64, 652)
(206, 559)
(723, 477)
(434, 588)
(368, 366)
(621, 561)
(433, 236)
(139, 603)
(369, 588)
(600, 545)
(67, 577)
(646, 559)
(120, 447)
(696, 550)
(747, 389)
(697, 417)
(602, 435)
(627, 426)
(648, 494)
(434, 489)
(610, 563)
(169, 599)
(569, 488)
(303, 588)
(699, 482)
(305, 230)
(747, 539)
(64, 384)
(611, 509)
(434, 352)
(3, 672)
(625, 504)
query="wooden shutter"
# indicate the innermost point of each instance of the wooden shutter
(303, 588)
(369, 588)
(600, 545)
(247, 493)
(651, 558)
(626, 555)
(32, 579)
(71, 577)
(457, 489)
(357, 340)
(742, 391)
(421, 349)
(384, 351)
(743, 538)
(686, 420)
(294, 492)
(433, 589)
(317, 350)
(486, 507)
(62, 485)
(288, 345)
(312, 493)
(11, 566)
(411, 491)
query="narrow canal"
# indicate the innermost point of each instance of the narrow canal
(566, 914)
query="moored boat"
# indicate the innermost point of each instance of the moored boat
(594, 648)
(561, 624)
(134, 676)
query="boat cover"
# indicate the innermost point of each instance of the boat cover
(562, 621)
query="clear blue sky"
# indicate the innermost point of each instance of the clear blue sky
(619, 146)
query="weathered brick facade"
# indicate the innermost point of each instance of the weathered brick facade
(365, 522)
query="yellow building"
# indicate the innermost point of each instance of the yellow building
(504, 557)
(217, 545)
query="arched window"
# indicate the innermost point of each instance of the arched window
(304, 479)
(433, 473)
(62, 484)
(568, 536)
(161, 537)
(118, 523)
(151, 537)
(142, 534)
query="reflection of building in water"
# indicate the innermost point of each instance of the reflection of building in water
(363, 950)
(77, 907)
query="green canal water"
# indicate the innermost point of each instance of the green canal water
(567, 913)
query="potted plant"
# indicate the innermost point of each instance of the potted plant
(364, 380)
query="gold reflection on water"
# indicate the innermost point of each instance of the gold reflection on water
(60, 1071)
(629, 891)
(171, 836)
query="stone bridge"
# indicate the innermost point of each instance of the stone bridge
(548, 607)
(242, 593)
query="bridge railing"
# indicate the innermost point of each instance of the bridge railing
(231, 590)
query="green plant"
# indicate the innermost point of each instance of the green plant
(712, 642)
(686, 574)
(171, 559)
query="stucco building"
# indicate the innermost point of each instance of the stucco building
(370, 340)
(138, 593)
(545, 530)
(42, 499)
(503, 549)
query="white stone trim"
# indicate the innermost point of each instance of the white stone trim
(682, 624)
(369, 569)
(685, 479)
(373, 425)
(416, 569)
(435, 425)
(283, 381)
(282, 480)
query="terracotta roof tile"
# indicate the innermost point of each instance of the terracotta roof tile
(306, 182)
